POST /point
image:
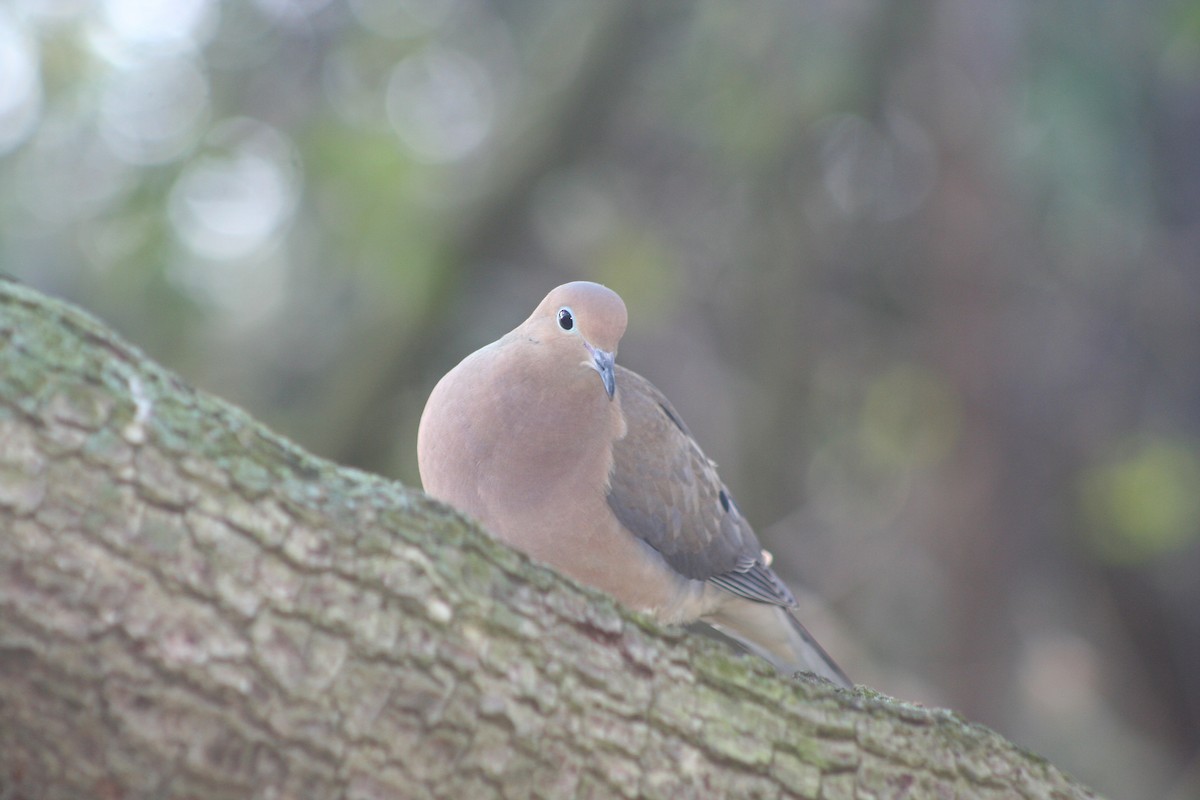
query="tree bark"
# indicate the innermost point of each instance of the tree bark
(191, 606)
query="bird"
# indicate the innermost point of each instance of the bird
(585, 466)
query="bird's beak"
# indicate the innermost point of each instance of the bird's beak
(602, 362)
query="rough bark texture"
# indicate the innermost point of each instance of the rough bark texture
(191, 606)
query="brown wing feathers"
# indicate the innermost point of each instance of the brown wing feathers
(676, 502)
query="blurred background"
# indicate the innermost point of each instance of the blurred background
(923, 277)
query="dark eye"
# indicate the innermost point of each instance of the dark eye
(565, 320)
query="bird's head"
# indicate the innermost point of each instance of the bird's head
(584, 322)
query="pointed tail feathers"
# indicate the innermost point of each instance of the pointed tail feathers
(774, 633)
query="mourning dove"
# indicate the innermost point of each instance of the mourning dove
(587, 467)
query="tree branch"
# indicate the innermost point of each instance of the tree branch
(191, 606)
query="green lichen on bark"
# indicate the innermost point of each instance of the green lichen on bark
(191, 606)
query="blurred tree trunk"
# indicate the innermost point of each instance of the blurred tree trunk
(191, 606)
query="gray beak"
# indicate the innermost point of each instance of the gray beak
(602, 362)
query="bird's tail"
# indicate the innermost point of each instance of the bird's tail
(774, 633)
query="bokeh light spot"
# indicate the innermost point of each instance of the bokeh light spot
(241, 192)
(20, 85)
(164, 25)
(878, 173)
(153, 113)
(1142, 502)
(441, 104)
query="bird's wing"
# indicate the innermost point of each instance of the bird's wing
(667, 492)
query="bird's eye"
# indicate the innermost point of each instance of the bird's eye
(566, 320)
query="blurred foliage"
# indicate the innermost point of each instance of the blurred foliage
(923, 278)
